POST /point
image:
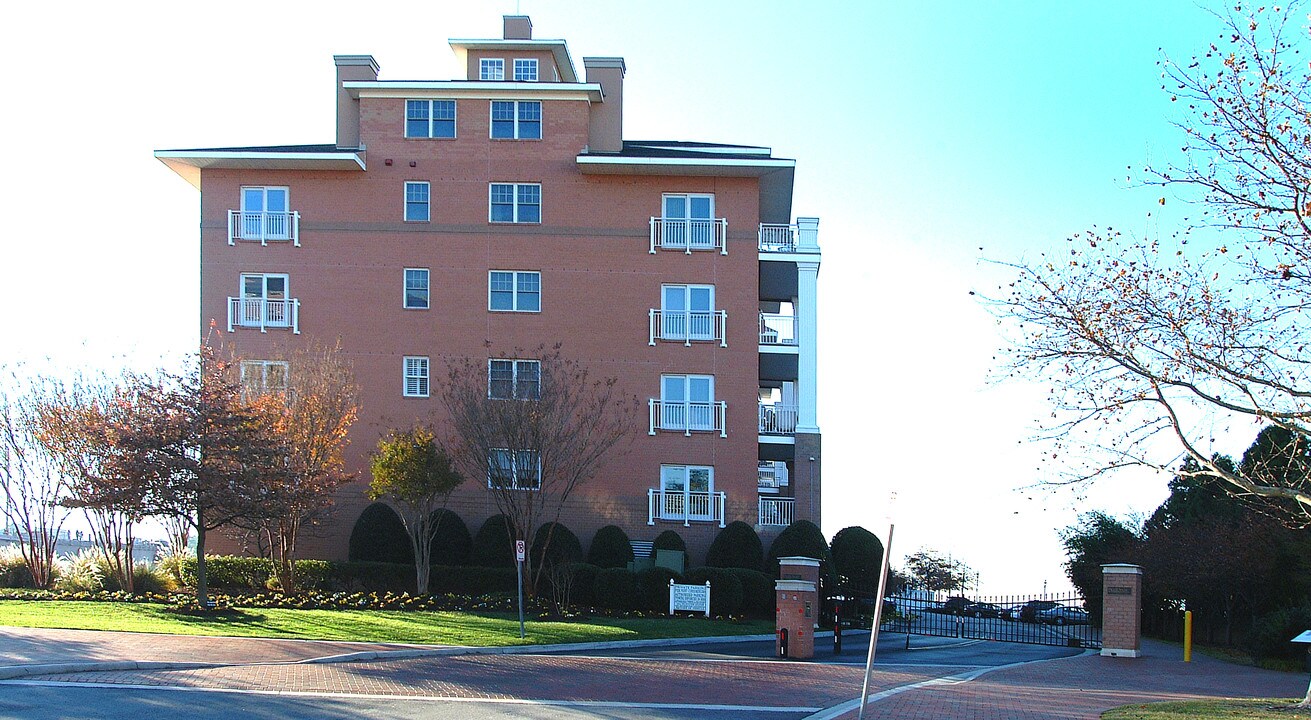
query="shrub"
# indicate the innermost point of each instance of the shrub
(171, 565)
(857, 559)
(583, 592)
(492, 546)
(564, 547)
(471, 580)
(312, 575)
(616, 589)
(13, 569)
(1271, 632)
(148, 580)
(725, 588)
(802, 538)
(371, 577)
(653, 588)
(231, 573)
(668, 540)
(610, 548)
(81, 573)
(736, 546)
(757, 592)
(379, 536)
(452, 542)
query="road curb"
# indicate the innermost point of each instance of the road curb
(9, 672)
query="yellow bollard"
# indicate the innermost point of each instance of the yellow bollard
(1188, 636)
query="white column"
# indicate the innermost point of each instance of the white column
(807, 235)
(807, 280)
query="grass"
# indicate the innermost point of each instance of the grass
(437, 628)
(1210, 710)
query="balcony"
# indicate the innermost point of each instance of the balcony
(777, 238)
(687, 417)
(777, 511)
(264, 314)
(777, 419)
(778, 330)
(688, 327)
(689, 234)
(771, 475)
(685, 507)
(263, 227)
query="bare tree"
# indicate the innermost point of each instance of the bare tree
(31, 481)
(1152, 348)
(934, 571)
(534, 430)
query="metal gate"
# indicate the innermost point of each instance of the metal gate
(1040, 620)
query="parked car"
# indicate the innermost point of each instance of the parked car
(954, 605)
(981, 610)
(1028, 612)
(1064, 615)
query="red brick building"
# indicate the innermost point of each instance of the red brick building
(469, 218)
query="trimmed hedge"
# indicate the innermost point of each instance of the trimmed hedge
(725, 588)
(1270, 634)
(451, 544)
(616, 589)
(757, 592)
(564, 547)
(653, 588)
(370, 577)
(668, 540)
(379, 536)
(492, 546)
(583, 593)
(736, 546)
(231, 573)
(610, 548)
(471, 580)
(857, 559)
(803, 538)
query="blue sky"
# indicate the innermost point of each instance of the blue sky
(929, 136)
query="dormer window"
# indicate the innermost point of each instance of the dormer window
(491, 69)
(525, 69)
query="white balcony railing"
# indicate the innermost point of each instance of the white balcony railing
(778, 238)
(688, 417)
(771, 475)
(688, 327)
(778, 329)
(685, 507)
(264, 314)
(777, 511)
(777, 419)
(689, 234)
(263, 227)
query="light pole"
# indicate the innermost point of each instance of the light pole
(878, 612)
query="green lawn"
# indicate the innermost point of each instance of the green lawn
(1210, 710)
(438, 628)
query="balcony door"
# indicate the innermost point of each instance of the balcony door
(687, 402)
(689, 221)
(264, 301)
(264, 213)
(687, 312)
(687, 491)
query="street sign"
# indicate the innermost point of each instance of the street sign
(519, 550)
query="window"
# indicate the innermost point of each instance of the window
(416, 288)
(429, 118)
(514, 291)
(515, 203)
(525, 70)
(265, 214)
(264, 302)
(514, 379)
(688, 221)
(516, 469)
(416, 202)
(416, 377)
(491, 69)
(687, 312)
(687, 492)
(517, 119)
(687, 402)
(263, 377)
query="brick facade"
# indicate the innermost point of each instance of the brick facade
(1122, 587)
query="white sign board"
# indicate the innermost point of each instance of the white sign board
(518, 550)
(1303, 638)
(695, 598)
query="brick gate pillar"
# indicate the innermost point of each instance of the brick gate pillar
(1122, 589)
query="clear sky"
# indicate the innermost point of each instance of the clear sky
(928, 137)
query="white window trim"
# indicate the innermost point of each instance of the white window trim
(485, 63)
(514, 291)
(528, 62)
(405, 288)
(541, 122)
(455, 120)
(514, 378)
(425, 377)
(514, 470)
(688, 197)
(516, 220)
(405, 201)
(249, 367)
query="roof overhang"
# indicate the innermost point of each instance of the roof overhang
(465, 89)
(713, 166)
(558, 49)
(189, 163)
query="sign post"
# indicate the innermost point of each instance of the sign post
(874, 629)
(1305, 639)
(519, 555)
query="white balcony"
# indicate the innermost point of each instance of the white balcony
(777, 419)
(778, 329)
(687, 417)
(264, 227)
(689, 234)
(688, 327)
(777, 511)
(685, 507)
(264, 314)
(777, 238)
(771, 475)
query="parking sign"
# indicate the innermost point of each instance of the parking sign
(519, 550)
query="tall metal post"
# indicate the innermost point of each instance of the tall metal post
(878, 618)
(518, 571)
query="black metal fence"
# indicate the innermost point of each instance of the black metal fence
(1038, 619)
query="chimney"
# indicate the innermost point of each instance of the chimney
(605, 129)
(518, 27)
(351, 67)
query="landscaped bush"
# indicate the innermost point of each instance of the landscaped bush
(757, 592)
(616, 589)
(13, 569)
(857, 559)
(564, 547)
(802, 538)
(231, 573)
(1271, 634)
(471, 580)
(492, 546)
(725, 588)
(379, 536)
(149, 580)
(668, 540)
(610, 548)
(371, 577)
(736, 546)
(451, 544)
(312, 575)
(82, 572)
(583, 592)
(653, 588)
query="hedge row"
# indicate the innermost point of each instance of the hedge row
(733, 591)
(255, 575)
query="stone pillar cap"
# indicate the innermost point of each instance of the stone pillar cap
(795, 585)
(1122, 569)
(798, 560)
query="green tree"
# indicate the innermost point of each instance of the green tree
(736, 546)
(417, 477)
(857, 559)
(1097, 539)
(935, 571)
